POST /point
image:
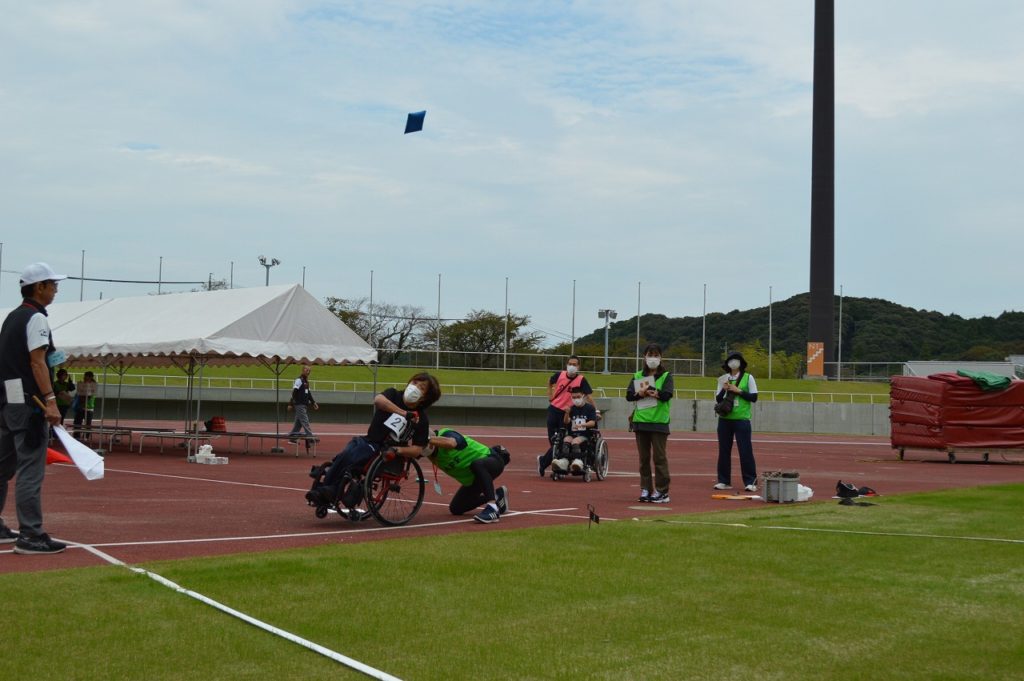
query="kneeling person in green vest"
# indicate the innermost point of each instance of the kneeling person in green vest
(475, 466)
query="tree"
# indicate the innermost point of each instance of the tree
(387, 327)
(482, 333)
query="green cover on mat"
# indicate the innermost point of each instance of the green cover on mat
(986, 380)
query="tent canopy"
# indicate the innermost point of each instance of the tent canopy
(274, 324)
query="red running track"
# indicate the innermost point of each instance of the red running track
(153, 506)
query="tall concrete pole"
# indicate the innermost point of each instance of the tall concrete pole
(822, 313)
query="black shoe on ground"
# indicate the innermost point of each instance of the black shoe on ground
(488, 515)
(7, 535)
(38, 544)
(540, 465)
(501, 499)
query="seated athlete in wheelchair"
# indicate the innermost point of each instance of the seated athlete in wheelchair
(578, 447)
(399, 424)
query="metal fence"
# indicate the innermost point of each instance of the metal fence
(522, 361)
(324, 386)
(679, 366)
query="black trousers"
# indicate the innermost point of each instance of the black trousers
(739, 429)
(556, 420)
(484, 471)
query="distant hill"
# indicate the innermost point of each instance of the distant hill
(874, 330)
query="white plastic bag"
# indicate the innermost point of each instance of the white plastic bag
(803, 493)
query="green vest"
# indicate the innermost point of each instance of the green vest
(659, 413)
(741, 407)
(455, 462)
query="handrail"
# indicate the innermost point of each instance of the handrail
(323, 386)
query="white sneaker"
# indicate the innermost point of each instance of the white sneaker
(577, 465)
(722, 485)
(561, 464)
(751, 487)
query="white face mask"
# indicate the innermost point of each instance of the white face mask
(734, 364)
(572, 370)
(653, 362)
(578, 402)
(412, 394)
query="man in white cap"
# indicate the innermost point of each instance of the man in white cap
(27, 360)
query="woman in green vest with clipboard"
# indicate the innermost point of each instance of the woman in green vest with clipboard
(651, 391)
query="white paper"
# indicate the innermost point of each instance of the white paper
(88, 461)
(640, 386)
(15, 391)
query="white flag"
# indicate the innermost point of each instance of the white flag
(88, 461)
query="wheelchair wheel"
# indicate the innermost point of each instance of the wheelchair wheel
(601, 460)
(394, 490)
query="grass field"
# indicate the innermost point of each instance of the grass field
(798, 390)
(719, 595)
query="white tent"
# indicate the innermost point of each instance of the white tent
(274, 324)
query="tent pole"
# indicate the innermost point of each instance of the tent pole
(120, 382)
(188, 390)
(374, 389)
(103, 407)
(277, 448)
(199, 406)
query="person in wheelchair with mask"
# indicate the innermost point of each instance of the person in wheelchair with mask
(580, 422)
(399, 422)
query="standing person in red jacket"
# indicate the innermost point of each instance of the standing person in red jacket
(560, 387)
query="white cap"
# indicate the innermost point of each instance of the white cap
(39, 271)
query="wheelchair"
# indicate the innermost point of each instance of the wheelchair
(391, 488)
(593, 453)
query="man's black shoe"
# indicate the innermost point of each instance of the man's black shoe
(39, 544)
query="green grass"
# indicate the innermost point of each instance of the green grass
(622, 600)
(861, 391)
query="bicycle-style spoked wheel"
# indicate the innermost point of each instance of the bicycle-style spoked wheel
(394, 490)
(601, 461)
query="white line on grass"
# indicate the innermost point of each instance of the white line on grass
(326, 533)
(835, 531)
(288, 636)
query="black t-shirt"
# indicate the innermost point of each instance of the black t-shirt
(379, 433)
(581, 414)
(15, 357)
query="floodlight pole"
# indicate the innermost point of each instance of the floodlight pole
(638, 326)
(572, 349)
(504, 366)
(81, 280)
(839, 364)
(607, 315)
(769, 333)
(268, 263)
(704, 330)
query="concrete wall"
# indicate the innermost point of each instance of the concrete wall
(354, 407)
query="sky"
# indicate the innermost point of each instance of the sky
(640, 150)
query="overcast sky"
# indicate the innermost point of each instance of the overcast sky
(612, 143)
